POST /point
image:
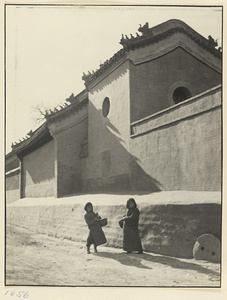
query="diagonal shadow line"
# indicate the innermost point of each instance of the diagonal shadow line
(136, 261)
(125, 259)
(178, 264)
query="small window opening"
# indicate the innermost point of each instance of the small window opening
(181, 94)
(106, 107)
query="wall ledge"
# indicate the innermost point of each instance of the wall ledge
(192, 107)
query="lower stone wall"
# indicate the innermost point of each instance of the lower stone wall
(173, 229)
(165, 229)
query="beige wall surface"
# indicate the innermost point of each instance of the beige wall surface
(69, 133)
(107, 164)
(68, 158)
(38, 172)
(12, 186)
(152, 83)
(180, 149)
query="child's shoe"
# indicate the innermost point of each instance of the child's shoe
(95, 250)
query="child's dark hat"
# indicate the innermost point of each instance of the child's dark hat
(87, 204)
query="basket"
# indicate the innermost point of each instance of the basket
(121, 223)
(103, 222)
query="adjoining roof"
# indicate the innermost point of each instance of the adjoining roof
(76, 103)
(41, 135)
(11, 162)
(37, 138)
(78, 98)
(106, 65)
(150, 36)
(10, 155)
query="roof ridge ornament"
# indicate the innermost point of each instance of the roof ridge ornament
(127, 42)
(212, 42)
(150, 36)
(30, 133)
(70, 98)
(145, 30)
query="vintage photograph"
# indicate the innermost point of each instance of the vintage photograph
(113, 146)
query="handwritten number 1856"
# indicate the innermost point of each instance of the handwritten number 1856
(18, 294)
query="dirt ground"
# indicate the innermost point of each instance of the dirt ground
(35, 259)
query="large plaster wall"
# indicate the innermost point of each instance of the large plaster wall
(180, 148)
(38, 172)
(69, 133)
(153, 82)
(107, 164)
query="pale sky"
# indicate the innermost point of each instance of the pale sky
(49, 48)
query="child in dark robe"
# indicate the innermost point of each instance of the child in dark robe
(131, 239)
(96, 235)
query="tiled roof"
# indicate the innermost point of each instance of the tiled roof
(106, 65)
(31, 139)
(42, 132)
(150, 36)
(10, 155)
(76, 103)
(164, 30)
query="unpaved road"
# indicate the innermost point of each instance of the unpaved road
(35, 259)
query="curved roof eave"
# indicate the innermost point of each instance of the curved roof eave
(34, 138)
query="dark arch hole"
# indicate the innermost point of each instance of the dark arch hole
(213, 253)
(181, 94)
(202, 248)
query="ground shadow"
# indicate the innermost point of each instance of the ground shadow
(139, 261)
(124, 258)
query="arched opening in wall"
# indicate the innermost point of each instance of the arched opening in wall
(181, 94)
(106, 107)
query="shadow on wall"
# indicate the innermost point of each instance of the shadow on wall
(109, 159)
(173, 229)
(105, 83)
(43, 172)
(38, 172)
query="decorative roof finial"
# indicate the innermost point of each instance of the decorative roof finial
(212, 42)
(30, 133)
(145, 29)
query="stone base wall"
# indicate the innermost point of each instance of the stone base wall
(173, 229)
(165, 229)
